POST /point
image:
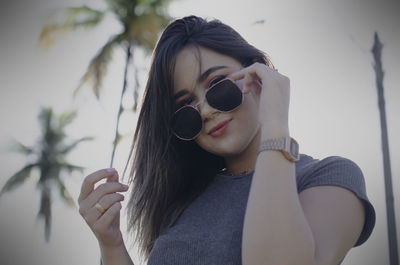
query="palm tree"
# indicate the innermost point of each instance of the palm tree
(50, 151)
(141, 22)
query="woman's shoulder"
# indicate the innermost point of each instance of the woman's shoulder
(332, 170)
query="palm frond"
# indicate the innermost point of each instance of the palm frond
(74, 144)
(16, 146)
(61, 121)
(45, 118)
(51, 135)
(66, 118)
(71, 168)
(17, 179)
(143, 31)
(123, 9)
(65, 195)
(70, 19)
(142, 19)
(98, 66)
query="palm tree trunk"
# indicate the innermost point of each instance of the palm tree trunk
(128, 58)
(136, 90)
(45, 209)
(391, 223)
(116, 138)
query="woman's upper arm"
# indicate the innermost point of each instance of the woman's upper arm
(336, 218)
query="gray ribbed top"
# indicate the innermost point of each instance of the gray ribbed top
(209, 231)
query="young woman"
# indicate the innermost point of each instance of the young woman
(216, 177)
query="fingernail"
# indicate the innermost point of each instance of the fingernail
(125, 186)
(110, 170)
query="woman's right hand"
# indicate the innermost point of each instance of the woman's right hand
(106, 225)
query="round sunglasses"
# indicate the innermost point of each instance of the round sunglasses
(224, 96)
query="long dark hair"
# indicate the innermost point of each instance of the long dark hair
(167, 174)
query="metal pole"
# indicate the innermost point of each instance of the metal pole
(391, 218)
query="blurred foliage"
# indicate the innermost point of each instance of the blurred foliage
(50, 153)
(141, 22)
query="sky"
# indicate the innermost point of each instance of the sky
(322, 46)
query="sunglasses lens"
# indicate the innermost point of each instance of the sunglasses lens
(224, 96)
(187, 123)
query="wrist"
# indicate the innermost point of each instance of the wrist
(268, 132)
(287, 145)
(110, 249)
(117, 254)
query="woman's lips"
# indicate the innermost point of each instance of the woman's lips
(219, 129)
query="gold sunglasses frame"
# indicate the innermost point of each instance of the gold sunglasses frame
(205, 99)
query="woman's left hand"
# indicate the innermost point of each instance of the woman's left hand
(273, 89)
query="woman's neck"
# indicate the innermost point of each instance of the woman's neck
(245, 161)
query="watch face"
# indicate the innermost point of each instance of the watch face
(294, 148)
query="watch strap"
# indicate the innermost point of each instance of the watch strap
(272, 144)
(287, 145)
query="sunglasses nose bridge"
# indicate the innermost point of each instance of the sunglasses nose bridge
(205, 110)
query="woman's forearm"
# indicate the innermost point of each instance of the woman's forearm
(275, 228)
(115, 256)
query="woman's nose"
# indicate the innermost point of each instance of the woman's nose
(206, 111)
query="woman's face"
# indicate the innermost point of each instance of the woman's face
(195, 71)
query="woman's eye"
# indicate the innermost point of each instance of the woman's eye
(216, 80)
(184, 102)
(187, 101)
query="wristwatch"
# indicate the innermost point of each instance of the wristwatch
(287, 145)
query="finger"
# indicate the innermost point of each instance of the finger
(113, 178)
(92, 179)
(106, 219)
(251, 71)
(101, 191)
(248, 81)
(237, 75)
(106, 202)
